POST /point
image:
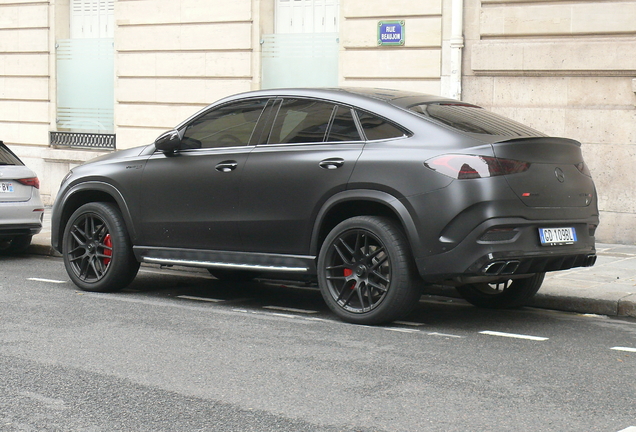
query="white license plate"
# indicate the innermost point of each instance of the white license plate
(557, 236)
(6, 187)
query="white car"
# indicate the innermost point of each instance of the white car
(21, 209)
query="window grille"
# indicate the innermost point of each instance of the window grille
(83, 140)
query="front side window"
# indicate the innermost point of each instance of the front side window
(230, 125)
(301, 121)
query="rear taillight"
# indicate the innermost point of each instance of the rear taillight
(32, 181)
(462, 167)
(582, 167)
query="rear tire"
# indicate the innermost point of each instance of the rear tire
(15, 245)
(509, 294)
(365, 271)
(97, 250)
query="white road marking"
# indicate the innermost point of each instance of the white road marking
(187, 297)
(629, 429)
(627, 349)
(401, 330)
(282, 315)
(47, 280)
(286, 309)
(513, 335)
(444, 335)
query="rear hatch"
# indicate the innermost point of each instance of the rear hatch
(12, 190)
(557, 175)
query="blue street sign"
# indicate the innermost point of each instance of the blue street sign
(391, 33)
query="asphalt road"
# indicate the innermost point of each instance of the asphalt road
(180, 351)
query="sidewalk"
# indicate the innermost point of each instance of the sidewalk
(608, 288)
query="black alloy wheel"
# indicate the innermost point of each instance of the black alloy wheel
(510, 293)
(96, 249)
(365, 272)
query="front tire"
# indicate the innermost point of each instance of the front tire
(508, 294)
(365, 271)
(97, 250)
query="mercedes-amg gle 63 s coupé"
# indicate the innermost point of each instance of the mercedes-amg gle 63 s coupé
(372, 193)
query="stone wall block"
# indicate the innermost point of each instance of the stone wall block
(617, 228)
(382, 8)
(393, 63)
(151, 12)
(24, 41)
(600, 92)
(614, 182)
(24, 88)
(24, 133)
(602, 126)
(24, 64)
(530, 91)
(160, 117)
(186, 37)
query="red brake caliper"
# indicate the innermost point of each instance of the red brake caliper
(108, 252)
(347, 273)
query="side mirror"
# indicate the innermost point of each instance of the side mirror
(168, 142)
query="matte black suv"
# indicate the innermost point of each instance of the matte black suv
(368, 190)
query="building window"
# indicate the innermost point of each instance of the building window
(85, 69)
(304, 50)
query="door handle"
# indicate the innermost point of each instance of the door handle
(331, 163)
(226, 166)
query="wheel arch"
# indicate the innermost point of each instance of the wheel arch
(82, 194)
(351, 203)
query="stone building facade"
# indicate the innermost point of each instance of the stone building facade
(567, 68)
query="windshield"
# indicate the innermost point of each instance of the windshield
(474, 119)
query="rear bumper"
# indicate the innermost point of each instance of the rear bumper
(520, 254)
(19, 229)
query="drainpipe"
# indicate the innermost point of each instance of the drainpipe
(456, 45)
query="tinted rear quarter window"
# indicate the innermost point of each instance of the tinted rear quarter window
(7, 158)
(343, 127)
(473, 119)
(377, 128)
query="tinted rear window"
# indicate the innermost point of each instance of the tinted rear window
(473, 119)
(7, 158)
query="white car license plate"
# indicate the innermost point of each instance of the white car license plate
(6, 187)
(557, 236)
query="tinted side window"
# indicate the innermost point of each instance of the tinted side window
(7, 158)
(377, 128)
(227, 126)
(301, 121)
(343, 127)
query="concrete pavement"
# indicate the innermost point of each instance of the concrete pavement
(608, 288)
